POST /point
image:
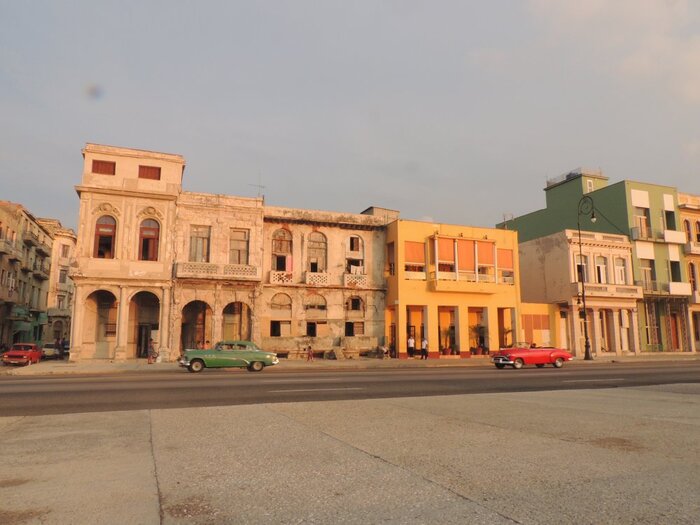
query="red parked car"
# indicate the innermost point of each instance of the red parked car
(519, 356)
(22, 354)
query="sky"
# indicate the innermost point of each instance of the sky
(448, 111)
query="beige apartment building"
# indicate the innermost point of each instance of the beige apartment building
(559, 268)
(25, 263)
(182, 268)
(689, 206)
(59, 302)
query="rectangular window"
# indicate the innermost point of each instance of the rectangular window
(581, 272)
(414, 253)
(62, 276)
(353, 329)
(620, 271)
(601, 270)
(65, 250)
(642, 221)
(149, 172)
(238, 246)
(675, 271)
(311, 329)
(104, 167)
(61, 300)
(199, 243)
(648, 274)
(280, 328)
(354, 244)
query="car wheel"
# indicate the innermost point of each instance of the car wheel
(196, 366)
(539, 365)
(518, 363)
(500, 365)
(558, 362)
(256, 366)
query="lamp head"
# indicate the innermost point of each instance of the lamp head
(593, 217)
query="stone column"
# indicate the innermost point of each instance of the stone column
(77, 322)
(617, 342)
(122, 325)
(164, 348)
(635, 345)
(577, 343)
(594, 330)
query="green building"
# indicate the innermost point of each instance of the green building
(649, 215)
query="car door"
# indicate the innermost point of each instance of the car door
(242, 355)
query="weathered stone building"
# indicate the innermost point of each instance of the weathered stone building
(25, 262)
(59, 302)
(156, 262)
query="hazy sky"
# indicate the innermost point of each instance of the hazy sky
(452, 111)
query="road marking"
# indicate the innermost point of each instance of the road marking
(313, 390)
(593, 380)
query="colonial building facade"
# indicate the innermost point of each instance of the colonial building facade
(59, 301)
(183, 268)
(25, 263)
(648, 214)
(556, 268)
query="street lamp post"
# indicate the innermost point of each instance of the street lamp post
(585, 207)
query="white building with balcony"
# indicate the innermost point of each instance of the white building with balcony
(558, 269)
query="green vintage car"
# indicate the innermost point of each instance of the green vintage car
(237, 354)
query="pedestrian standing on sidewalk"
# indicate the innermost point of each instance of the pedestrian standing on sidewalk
(424, 349)
(152, 354)
(411, 346)
(309, 354)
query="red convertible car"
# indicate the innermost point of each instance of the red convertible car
(22, 354)
(519, 356)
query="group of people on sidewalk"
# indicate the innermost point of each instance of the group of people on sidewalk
(411, 343)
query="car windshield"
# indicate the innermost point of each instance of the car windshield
(21, 348)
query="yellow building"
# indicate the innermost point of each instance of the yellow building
(455, 286)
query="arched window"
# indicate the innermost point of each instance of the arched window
(693, 277)
(281, 303)
(688, 232)
(354, 304)
(149, 234)
(105, 237)
(316, 262)
(697, 231)
(282, 251)
(314, 301)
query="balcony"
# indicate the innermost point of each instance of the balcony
(468, 282)
(641, 233)
(695, 297)
(316, 278)
(692, 248)
(674, 237)
(58, 312)
(678, 288)
(655, 287)
(355, 280)
(43, 249)
(40, 272)
(622, 291)
(6, 247)
(30, 238)
(277, 277)
(64, 287)
(202, 270)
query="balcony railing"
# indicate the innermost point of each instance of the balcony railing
(41, 272)
(43, 249)
(277, 277)
(672, 288)
(608, 290)
(30, 238)
(316, 278)
(674, 237)
(355, 280)
(58, 312)
(202, 270)
(641, 232)
(692, 248)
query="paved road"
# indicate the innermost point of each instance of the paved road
(34, 395)
(596, 456)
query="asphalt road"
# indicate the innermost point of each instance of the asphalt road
(29, 396)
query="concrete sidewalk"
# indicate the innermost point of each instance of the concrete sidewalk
(363, 363)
